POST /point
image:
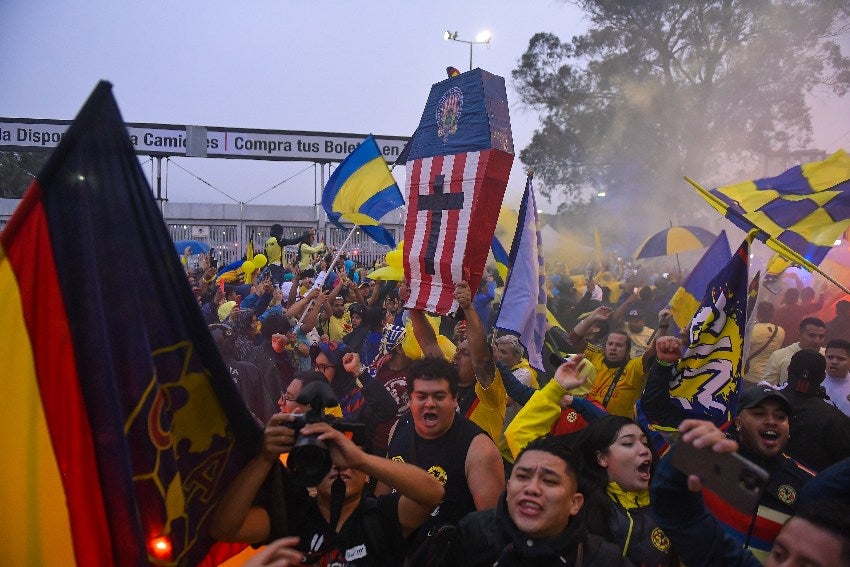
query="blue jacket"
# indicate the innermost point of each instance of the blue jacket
(697, 536)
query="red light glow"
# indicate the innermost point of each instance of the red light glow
(160, 548)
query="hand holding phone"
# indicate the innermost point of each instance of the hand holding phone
(709, 458)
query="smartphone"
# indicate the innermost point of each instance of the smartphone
(733, 478)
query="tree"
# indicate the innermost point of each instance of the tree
(658, 89)
(17, 170)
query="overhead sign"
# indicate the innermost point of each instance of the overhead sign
(30, 134)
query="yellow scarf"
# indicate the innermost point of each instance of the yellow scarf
(628, 499)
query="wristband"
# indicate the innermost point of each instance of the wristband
(662, 363)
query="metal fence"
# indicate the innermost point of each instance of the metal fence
(228, 242)
(228, 228)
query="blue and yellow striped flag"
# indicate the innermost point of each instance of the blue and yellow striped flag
(361, 191)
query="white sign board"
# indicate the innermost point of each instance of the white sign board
(26, 134)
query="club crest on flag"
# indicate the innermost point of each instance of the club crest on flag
(448, 113)
(708, 379)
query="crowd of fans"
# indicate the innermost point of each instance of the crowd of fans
(466, 455)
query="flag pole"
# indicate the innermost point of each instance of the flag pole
(320, 280)
(780, 247)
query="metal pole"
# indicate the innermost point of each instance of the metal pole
(159, 183)
(320, 279)
(470, 56)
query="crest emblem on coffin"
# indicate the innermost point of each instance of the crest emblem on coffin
(448, 112)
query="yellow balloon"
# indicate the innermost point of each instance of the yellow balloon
(387, 273)
(409, 343)
(248, 267)
(260, 260)
(394, 258)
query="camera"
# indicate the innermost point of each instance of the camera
(309, 460)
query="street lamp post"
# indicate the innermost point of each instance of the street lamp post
(483, 38)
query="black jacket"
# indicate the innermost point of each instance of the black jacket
(820, 433)
(489, 537)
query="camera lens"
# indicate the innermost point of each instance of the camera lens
(309, 461)
(749, 480)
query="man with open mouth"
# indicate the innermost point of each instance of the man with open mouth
(762, 429)
(537, 520)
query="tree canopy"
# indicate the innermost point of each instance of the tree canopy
(17, 170)
(658, 89)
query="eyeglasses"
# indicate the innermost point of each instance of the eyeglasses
(322, 367)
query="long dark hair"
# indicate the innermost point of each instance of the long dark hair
(591, 441)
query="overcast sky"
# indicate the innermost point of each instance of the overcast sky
(319, 66)
(325, 66)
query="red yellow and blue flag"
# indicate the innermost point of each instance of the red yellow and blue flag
(361, 190)
(120, 417)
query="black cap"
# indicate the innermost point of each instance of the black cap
(760, 392)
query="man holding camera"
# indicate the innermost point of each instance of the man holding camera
(339, 525)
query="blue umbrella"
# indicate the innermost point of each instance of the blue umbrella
(194, 246)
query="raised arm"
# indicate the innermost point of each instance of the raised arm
(476, 337)
(420, 491)
(535, 419)
(235, 518)
(425, 334)
(655, 400)
(484, 472)
(580, 331)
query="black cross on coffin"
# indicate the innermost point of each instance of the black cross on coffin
(437, 202)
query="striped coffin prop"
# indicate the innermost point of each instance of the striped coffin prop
(457, 173)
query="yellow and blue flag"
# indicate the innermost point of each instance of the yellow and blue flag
(500, 256)
(707, 384)
(686, 300)
(806, 208)
(361, 191)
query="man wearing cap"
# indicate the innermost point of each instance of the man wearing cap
(812, 335)
(762, 429)
(820, 432)
(638, 332)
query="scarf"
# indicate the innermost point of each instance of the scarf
(628, 499)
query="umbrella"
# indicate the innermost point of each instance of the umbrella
(673, 240)
(194, 246)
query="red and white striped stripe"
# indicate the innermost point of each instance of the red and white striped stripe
(463, 174)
